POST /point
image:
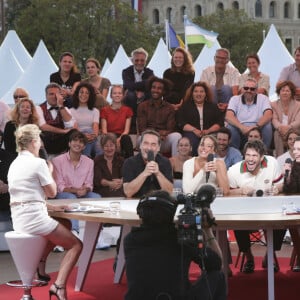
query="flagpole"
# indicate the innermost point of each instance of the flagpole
(167, 34)
(185, 41)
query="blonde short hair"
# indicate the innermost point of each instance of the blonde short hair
(25, 135)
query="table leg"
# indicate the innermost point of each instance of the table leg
(223, 243)
(270, 253)
(121, 256)
(295, 235)
(90, 237)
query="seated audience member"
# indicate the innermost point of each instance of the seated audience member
(158, 114)
(24, 112)
(134, 83)
(198, 115)
(74, 172)
(165, 272)
(6, 159)
(291, 183)
(108, 181)
(56, 121)
(263, 80)
(100, 84)
(223, 79)
(291, 72)
(181, 74)
(286, 114)
(257, 172)
(184, 149)
(290, 140)
(195, 170)
(116, 119)
(87, 117)
(67, 77)
(246, 111)
(148, 170)
(4, 114)
(254, 134)
(229, 154)
(20, 93)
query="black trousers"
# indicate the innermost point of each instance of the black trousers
(244, 243)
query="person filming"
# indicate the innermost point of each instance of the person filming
(157, 265)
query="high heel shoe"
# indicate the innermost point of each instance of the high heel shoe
(55, 293)
(41, 277)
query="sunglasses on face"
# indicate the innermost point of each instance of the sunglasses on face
(246, 88)
(19, 96)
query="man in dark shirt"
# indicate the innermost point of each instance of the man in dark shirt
(134, 82)
(157, 266)
(56, 120)
(6, 159)
(158, 114)
(141, 175)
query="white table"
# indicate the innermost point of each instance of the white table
(230, 212)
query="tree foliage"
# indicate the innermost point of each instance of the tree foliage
(237, 32)
(84, 27)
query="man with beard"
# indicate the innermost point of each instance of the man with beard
(247, 111)
(158, 114)
(230, 155)
(252, 176)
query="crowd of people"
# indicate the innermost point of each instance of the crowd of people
(178, 121)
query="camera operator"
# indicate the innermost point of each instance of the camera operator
(157, 266)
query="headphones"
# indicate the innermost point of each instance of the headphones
(164, 201)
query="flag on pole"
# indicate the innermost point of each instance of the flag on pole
(136, 5)
(173, 40)
(194, 34)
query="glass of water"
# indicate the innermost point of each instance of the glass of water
(115, 207)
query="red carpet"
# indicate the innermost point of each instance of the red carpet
(99, 284)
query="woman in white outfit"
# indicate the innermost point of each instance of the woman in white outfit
(30, 183)
(195, 169)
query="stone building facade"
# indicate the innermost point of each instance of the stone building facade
(285, 15)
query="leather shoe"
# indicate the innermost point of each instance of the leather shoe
(249, 267)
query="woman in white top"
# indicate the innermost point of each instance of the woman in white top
(30, 181)
(263, 80)
(196, 168)
(87, 117)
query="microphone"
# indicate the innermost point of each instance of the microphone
(150, 157)
(210, 157)
(259, 193)
(287, 171)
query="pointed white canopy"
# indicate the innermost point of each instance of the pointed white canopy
(13, 42)
(105, 66)
(12, 70)
(161, 59)
(120, 62)
(36, 76)
(274, 56)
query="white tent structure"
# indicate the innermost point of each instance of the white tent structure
(11, 70)
(13, 42)
(120, 62)
(161, 59)
(274, 56)
(105, 66)
(36, 76)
